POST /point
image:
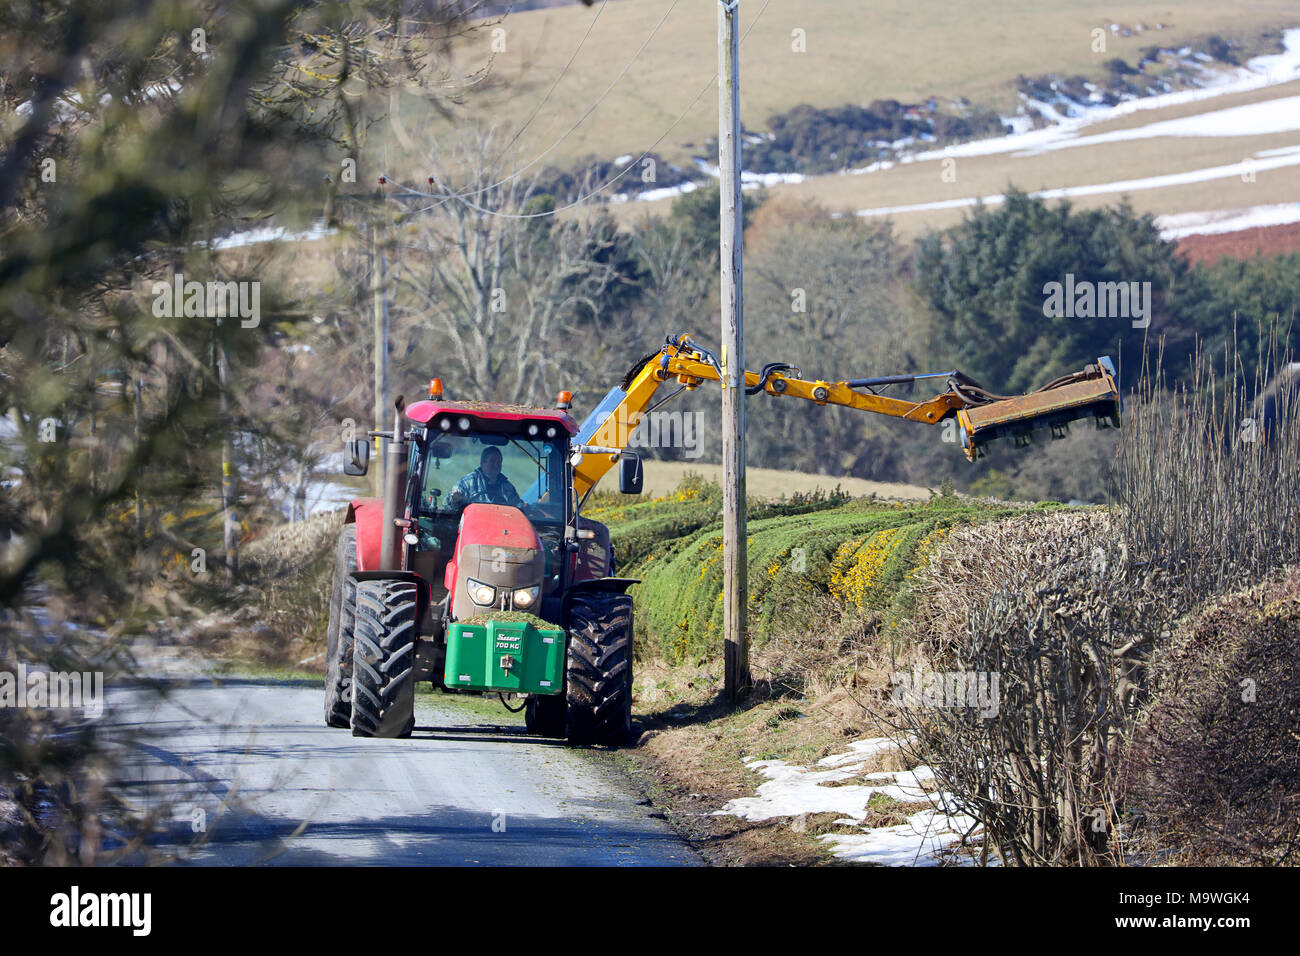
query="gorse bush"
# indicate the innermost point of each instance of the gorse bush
(857, 553)
(639, 527)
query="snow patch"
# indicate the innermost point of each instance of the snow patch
(1254, 119)
(652, 195)
(1257, 163)
(748, 180)
(1218, 221)
(1259, 73)
(770, 179)
(859, 751)
(926, 838)
(250, 237)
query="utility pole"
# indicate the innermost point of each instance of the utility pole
(139, 471)
(735, 565)
(379, 294)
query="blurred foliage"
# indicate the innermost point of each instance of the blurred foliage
(131, 137)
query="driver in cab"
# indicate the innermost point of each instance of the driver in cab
(485, 484)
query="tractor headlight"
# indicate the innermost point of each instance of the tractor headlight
(480, 593)
(525, 597)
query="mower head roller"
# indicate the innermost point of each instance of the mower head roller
(1092, 393)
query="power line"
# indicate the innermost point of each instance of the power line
(583, 118)
(461, 197)
(519, 132)
(591, 26)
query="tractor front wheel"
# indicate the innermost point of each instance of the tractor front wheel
(338, 636)
(383, 659)
(598, 680)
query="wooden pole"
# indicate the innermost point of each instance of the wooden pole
(229, 517)
(734, 559)
(139, 472)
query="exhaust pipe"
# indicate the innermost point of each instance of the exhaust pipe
(395, 474)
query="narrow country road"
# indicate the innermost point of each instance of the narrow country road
(243, 771)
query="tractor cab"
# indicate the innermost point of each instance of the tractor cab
(491, 485)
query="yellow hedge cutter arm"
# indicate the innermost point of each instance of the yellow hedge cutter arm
(981, 416)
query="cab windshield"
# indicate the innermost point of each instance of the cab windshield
(487, 468)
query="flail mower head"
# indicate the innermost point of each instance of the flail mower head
(1092, 393)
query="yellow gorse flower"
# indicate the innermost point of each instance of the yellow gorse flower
(926, 545)
(856, 567)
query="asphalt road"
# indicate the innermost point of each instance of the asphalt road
(242, 771)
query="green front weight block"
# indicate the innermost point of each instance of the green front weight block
(512, 657)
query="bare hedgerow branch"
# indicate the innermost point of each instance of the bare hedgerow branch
(1070, 611)
(1207, 484)
(1065, 631)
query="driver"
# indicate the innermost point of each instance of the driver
(485, 484)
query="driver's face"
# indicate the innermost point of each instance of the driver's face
(491, 466)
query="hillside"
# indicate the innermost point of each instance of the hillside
(905, 51)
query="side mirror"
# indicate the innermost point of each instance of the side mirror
(631, 477)
(356, 460)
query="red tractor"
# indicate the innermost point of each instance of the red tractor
(476, 572)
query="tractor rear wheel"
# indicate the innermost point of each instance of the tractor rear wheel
(598, 680)
(338, 636)
(383, 660)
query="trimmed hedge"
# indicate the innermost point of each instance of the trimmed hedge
(860, 553)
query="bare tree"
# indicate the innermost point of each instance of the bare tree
(488, 280)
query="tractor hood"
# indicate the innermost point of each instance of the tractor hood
(499, 547)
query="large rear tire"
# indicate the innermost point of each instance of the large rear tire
(338, 636)
(383, 659)
(598, 679)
